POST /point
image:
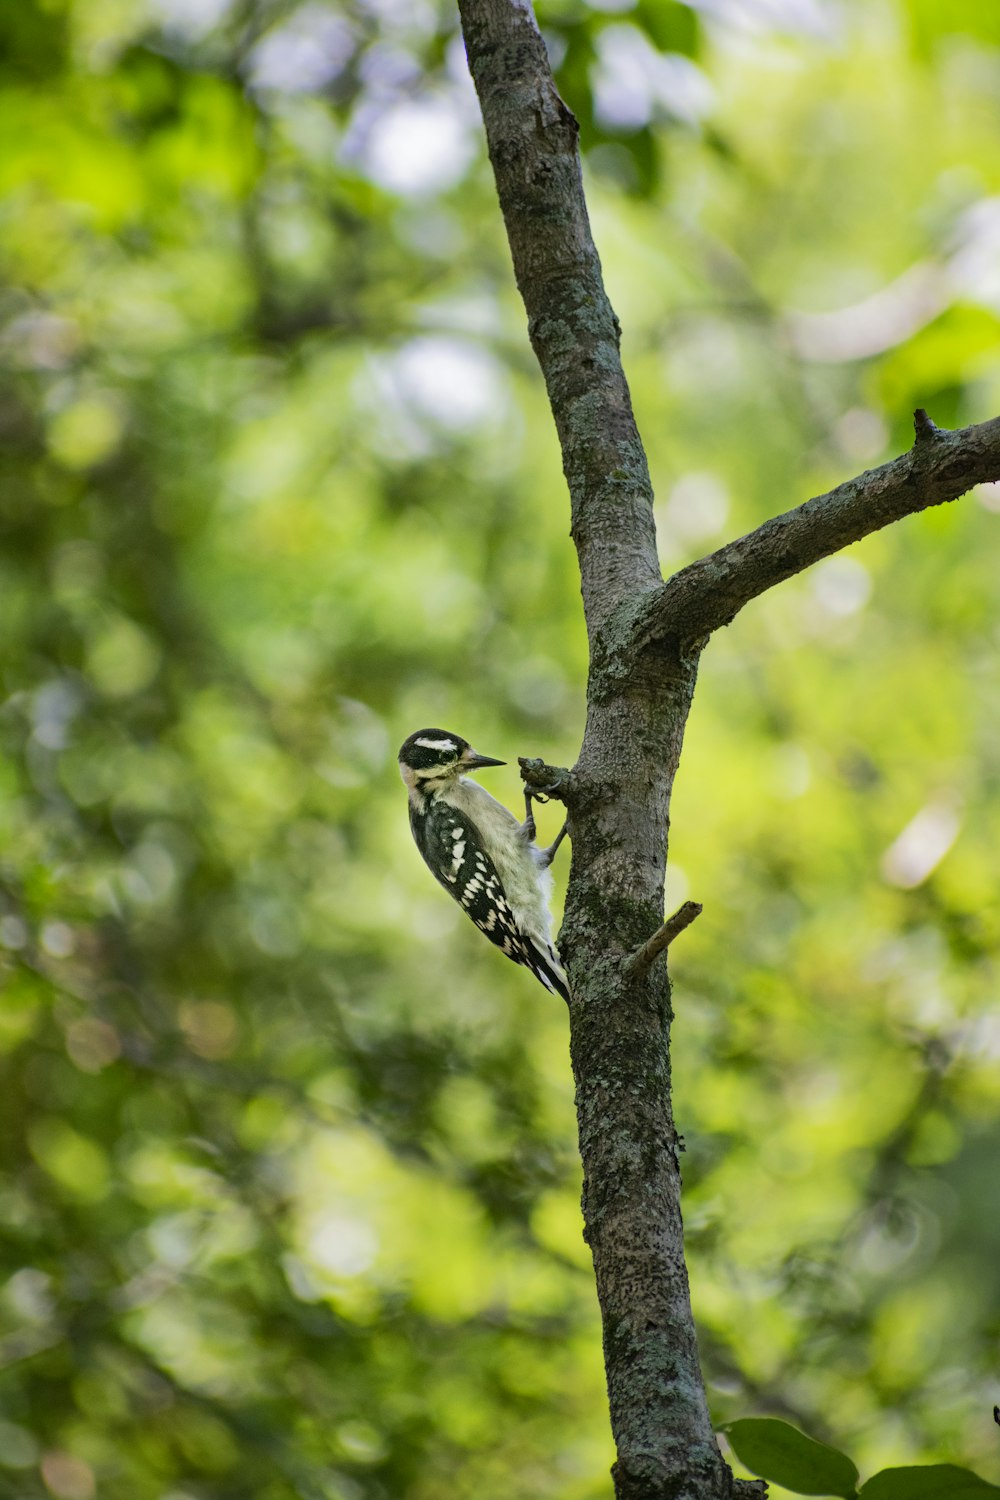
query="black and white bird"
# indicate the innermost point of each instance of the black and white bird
(480, 853)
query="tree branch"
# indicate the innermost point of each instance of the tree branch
(941, 466)
(548, 781)
(643, 959)
(532, 139)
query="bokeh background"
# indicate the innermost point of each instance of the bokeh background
(289, 1201)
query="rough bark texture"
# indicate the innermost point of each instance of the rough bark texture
(646, 637)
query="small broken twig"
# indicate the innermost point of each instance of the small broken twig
(923, 427)
(643, 959)
(544, 781)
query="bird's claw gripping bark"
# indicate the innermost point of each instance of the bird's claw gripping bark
(528, 829)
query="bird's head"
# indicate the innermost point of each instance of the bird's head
(431, 758)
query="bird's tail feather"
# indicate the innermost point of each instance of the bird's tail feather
(544, 964)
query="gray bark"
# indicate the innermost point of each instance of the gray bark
(645, 638)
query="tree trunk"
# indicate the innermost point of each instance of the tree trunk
(619, 800)
(619, 1040)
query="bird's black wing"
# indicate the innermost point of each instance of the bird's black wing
(448, 842)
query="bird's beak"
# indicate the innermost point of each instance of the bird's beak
(472, 761)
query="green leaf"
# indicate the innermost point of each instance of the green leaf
(927, 1482)
(779, 1452)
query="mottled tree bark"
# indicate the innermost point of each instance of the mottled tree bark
(645, 640)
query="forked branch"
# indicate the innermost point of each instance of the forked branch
(637, 704)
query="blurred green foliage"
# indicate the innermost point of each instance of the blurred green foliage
(289, 1203)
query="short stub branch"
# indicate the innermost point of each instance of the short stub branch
(643, 959)
(926, 430)
(545, 781)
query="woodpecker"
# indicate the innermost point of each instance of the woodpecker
(480, 853)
